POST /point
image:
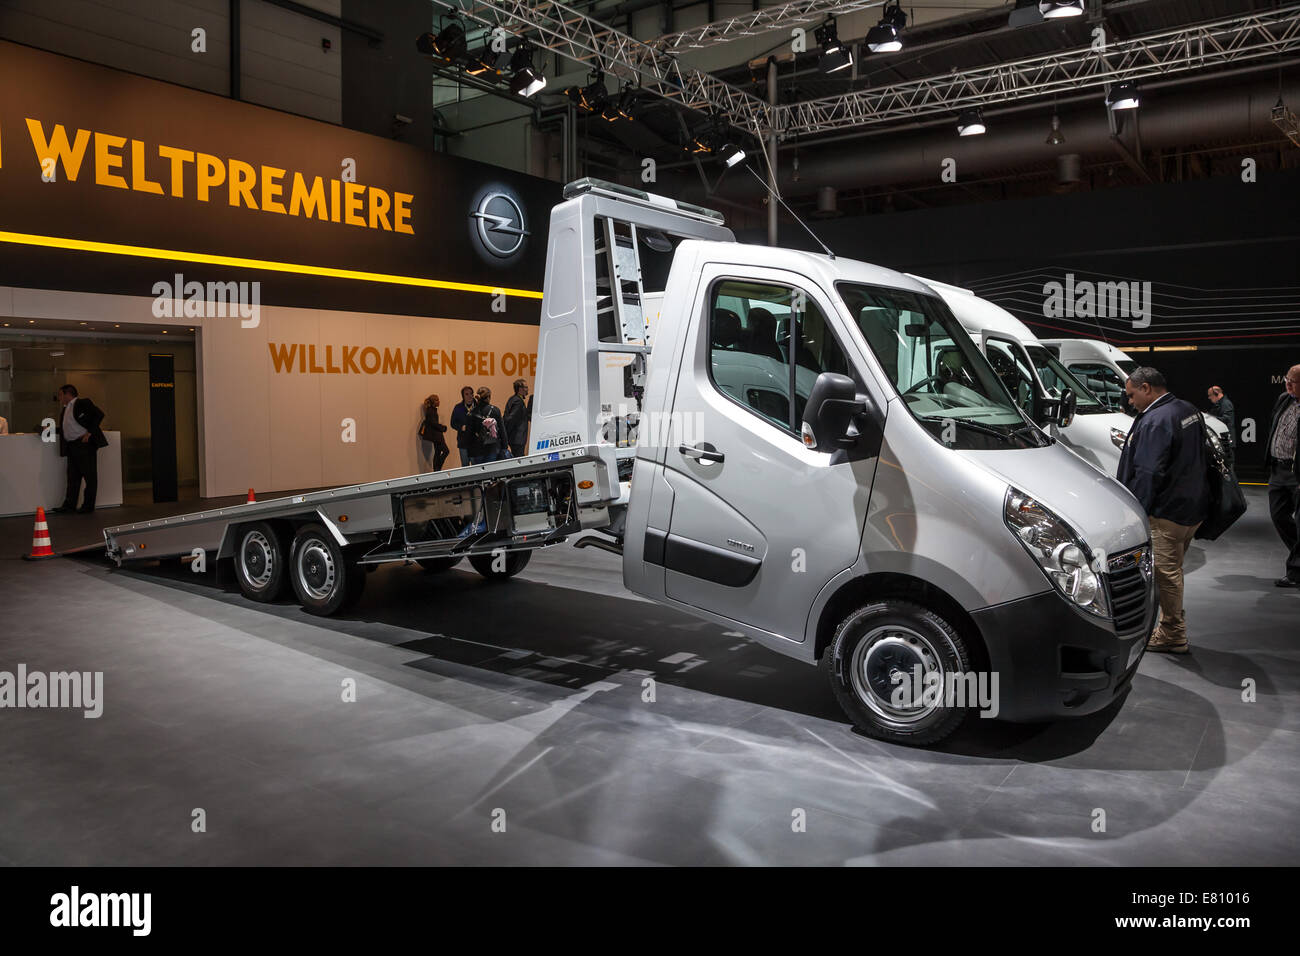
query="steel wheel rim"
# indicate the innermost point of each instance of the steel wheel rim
(257, 550)
(316, 570)
(884, 651)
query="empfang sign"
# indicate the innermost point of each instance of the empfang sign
(1098, 300)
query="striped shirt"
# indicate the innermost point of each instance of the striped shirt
(1285, 437)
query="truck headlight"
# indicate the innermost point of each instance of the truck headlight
(1118, 438)
(1061, 553)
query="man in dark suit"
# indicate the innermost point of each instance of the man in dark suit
(80, 440)
(516, 417)
(460, 424)
(1163, 464)
(1283, 451)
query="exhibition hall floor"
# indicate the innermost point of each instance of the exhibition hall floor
(522, 704)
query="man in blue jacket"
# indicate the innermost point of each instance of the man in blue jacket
(1163, 465)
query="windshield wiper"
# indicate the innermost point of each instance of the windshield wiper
(975, 426)
(1041, 438)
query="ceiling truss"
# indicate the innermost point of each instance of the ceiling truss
(1265, 34)
(563, 30)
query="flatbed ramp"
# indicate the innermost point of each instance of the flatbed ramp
(513, 504)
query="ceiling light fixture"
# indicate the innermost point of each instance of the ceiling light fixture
(971, 123)
(527, 79)
(1055, 9)
(731, 154)
(884, 36)
(835, 55)
(1055, 137)
(1123, 96)
(447, 44)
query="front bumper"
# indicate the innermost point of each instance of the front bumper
(1054, 661)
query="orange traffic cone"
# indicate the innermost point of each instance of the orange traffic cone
(251, 497)
(41, 546)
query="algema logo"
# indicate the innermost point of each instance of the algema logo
(498, 228)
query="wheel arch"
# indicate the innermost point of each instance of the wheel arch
(892, 584)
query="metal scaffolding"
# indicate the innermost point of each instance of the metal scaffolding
(1266, 33)
(561, 29)
(763, 20)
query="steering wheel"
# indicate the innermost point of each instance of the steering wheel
(935, 379)
(958, 391)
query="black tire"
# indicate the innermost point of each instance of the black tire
(438, 565)
(514, 563)
(323, 577)
(260, 562)
(876, 642)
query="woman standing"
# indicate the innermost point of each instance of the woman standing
(433, 445)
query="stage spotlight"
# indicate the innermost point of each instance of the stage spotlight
(884, 37)
(971, 123)
(527, 79)
(1122, 96)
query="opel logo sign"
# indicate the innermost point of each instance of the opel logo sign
(498, 223)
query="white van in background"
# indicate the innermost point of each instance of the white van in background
(1037, 380)
(1104, 369)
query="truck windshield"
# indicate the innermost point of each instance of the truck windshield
(1056, 378)
(941, 376)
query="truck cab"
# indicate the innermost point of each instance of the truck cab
(845, 479)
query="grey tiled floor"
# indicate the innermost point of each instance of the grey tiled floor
(526, 700)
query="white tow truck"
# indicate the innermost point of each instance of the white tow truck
(808, 449)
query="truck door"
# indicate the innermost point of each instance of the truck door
(1012, 367)
(759, 523)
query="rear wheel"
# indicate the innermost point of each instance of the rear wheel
(891, 665)
(324, 578)
(260, 562)
(438, 565)
(500, 565)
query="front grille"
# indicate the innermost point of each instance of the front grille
(1129, 589)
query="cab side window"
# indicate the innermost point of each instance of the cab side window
(1102, 380)
(768, 342)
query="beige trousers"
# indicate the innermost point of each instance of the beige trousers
(1169, 544)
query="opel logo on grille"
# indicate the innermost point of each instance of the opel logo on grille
(500, 223)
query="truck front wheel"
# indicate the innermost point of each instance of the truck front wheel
(893, 666)
(324, 578)
(500, 566)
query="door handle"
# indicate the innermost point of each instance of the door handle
(702, 452)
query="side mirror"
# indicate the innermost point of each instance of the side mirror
(836, 416)
(1067, 408)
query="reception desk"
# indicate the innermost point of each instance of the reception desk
(33, 475)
